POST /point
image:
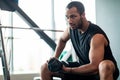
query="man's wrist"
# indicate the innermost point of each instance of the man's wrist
(70, 70)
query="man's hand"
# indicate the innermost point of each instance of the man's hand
(54, 65)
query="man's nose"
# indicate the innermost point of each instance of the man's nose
(69, 20)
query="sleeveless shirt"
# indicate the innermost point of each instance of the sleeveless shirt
(81, 43)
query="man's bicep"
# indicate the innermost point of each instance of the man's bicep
(97, 45)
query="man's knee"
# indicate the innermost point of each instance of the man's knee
(44, 67)
(106, 66)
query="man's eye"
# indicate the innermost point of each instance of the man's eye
(72, 16)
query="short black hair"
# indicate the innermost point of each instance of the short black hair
(80, 7)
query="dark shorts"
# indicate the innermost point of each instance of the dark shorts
(68, 76)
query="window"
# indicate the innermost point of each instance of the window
(27, 51)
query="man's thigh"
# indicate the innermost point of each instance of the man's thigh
(79, 77)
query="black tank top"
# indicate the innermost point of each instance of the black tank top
(81, 43)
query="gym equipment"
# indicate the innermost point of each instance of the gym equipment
(12, 5)
(54, 65)
(3, 53)
(3, 58)
(7, 7)
(10, 27)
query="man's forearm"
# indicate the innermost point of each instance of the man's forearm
(87, 69)
(59, 48)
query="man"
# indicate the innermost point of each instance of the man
(96, 61)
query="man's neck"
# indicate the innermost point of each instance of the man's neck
(85, 26)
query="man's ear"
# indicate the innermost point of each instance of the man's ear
(83, 15)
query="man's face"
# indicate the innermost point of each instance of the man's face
(73, 18)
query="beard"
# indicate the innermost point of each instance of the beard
(80, 24)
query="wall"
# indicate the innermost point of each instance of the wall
(108, 18)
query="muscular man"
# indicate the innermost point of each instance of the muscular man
(91, 44)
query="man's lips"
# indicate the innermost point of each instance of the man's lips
(72, 25)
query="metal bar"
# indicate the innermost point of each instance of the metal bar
(4, 61)
(31, 28)
(44, 36)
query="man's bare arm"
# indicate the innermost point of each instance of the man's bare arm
(61, 43)
(96, 55)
